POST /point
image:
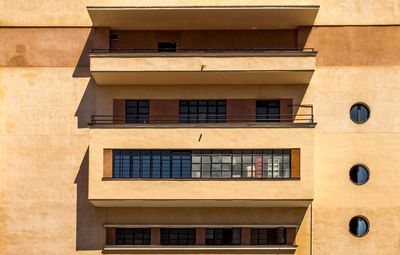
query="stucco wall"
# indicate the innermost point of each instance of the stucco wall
(45, 103)
(73, 12)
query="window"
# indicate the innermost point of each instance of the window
(359, 226)
(178, 236)
(201, 164)
(359, 113)
(114, 36)
(166, 47)
(137, 111)
(202, 111)
(268, 111)
(241, 164)
(359, 174)
(223, 236)
(268, 236)
(151, 164)
(132, 236)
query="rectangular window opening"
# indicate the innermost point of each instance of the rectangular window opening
(166, 47)
(178, 236)
(268, 110)
(202, 164)
(137, 111)
(133, 236)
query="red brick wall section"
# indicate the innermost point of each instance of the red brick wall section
(290, 236)
(241, 110)
(246, 236)
(155, 236)
(107, 163)
(286, 110)
(200, 236)
(119, 111)
(295, 161)
(164, 111)
(110, 236)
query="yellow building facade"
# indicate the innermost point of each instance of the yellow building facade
(199, 127)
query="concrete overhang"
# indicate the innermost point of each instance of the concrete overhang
(187, 69)
(205, 17)
(201, 203)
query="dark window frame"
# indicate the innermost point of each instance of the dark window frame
(268, 236)
(137, 111)
(202, 164)
(132, 236)
(167, 46)
(353, 172)
(358, 107)
(353, 227)
(202, 111)
(271, 110)
(178, 236)
(223, 236)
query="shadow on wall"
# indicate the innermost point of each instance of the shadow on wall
(82, 67)
(86, 107)
(82, 70)
(90, 234)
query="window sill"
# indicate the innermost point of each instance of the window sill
(201, 179)
(256, 249)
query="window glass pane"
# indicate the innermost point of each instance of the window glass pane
(137, 111)
(202, 111)
(359, 113)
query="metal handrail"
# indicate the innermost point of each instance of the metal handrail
(206, 50)
(182, 119)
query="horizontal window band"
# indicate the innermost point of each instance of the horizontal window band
(198, 226)
(239, 248)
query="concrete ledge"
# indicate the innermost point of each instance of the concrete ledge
(240, 249)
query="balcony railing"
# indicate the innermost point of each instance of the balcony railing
(297, 119)
(209, 52)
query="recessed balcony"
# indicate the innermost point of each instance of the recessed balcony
(186, 67)
(186, 15)
(302, 118)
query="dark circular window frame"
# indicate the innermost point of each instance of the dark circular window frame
(368, 225)
(368, 109)
(366, 168)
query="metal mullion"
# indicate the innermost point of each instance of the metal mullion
(151, 164)
(130, 164)
(262, 164)
(273, 164)
(290, 164)
(201, 166)
(231, 165)
(190, 165)
(180, 165)
(170, 165)
(241, 164)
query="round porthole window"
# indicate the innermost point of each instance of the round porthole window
(359, 113)
(359, 174)
(359, 226)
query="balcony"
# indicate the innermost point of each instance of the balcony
(186, 67)
(185, 15)
(290, 188)
(303, 118)
(226, 239)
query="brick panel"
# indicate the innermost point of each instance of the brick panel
(241, 110)
(164, 111)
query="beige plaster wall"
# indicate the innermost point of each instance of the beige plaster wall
(44, 207)
(73, 12)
